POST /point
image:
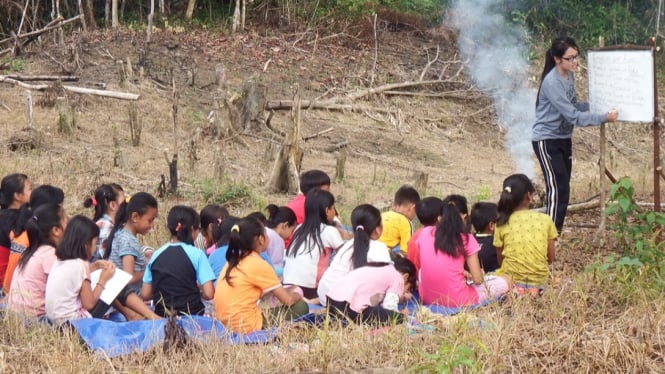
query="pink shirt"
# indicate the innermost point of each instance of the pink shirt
(412, 250)
(367, 286)
(297, 205)
(442, 279)
(26, 295)
(63, 290)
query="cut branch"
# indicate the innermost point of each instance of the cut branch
(28, 78)
(393, 86)
(56, 23)
(81, 90)
(306, 104)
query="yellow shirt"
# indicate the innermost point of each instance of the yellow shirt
(524, 241)
(397, 230)
(236, 305)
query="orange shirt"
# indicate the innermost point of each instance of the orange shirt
(236, 305)
(19, 244)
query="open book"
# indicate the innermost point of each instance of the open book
(114, 285)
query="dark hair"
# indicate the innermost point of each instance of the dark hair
(38, 227)
(140, 204)
(482, 214)
(258, 215)
(406, 194)
(428, 210)
(79, 233)
(558, 49)
(515, 188)
(316, 203)
(313, 179)
(448, 236)
(103, 196)
(279, 214)
(42, 195)
(181, 221)
(214, 215)
(11, 184)
(365, 219)
(241, 243)
(225, 230)
(405, 266)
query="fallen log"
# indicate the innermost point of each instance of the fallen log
(57, 23)
(29, 78)
(81, 90)
(308, 104)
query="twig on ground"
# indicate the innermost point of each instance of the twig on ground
(429, 63)
(305, 138)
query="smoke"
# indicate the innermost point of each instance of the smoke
(497, 62)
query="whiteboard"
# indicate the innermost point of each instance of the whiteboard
(622, 80)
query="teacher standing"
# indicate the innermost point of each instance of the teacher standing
(557, 113)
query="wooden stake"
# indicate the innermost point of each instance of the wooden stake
(339, 167)
(421, 182)
(29, 107)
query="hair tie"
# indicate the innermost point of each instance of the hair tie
(35, 218)
(128, 198)
(235, 228)
(219, 221)
(451, 203)
(360, 228)
(508, 189)
(178, 227)
(94, 201)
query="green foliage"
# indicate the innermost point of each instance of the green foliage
(228, 194)
(620, 22)
(482, 194)
(449, 358)
(639, 235)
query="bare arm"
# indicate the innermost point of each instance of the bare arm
(286, 297)
(128, 262)
(89, 297)
(499, 255)
(146, 291)
(474, 268)
(207, 290)
(551, 252)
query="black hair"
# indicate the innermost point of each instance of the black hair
(44, 194)
(406, 194)
(515, 188)
(279, 214)
(558, 49)
(38, 227)
(241, 243)
(181, 221)
(78, 235)
(11, 184)
(214, 215)
(313, 179)
(103, 196)
(316, 203)
(140, 204)
(365, 219)
(258, 215)
(428, 210)
(448, 238)
(482, 214)
(225, 230)
(405, 266)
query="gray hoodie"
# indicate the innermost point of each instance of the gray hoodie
(558, 110)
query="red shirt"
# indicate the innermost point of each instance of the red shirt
(297, 205)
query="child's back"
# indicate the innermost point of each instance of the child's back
(62, 296)
(397, 226)
(428, 211)
(483, 218)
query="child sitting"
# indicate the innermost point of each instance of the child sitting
(105, 201)
(45, 230)
(313, 243)
(443, 251)
(280, 225)
(309, 180)
(69, 294)
(428, 211)
(524, 239)
(178, 274)
(15, 190)
(397, 226)
(246, 278)
(212, 217)
(371, 294)
(355, 253)
(483, 219)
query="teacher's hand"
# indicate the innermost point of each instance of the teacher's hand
(612, 115)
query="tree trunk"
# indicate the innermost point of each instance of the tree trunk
(236, 16)
(90, 15)
(107, 12)
(191, 4)
(114, 14)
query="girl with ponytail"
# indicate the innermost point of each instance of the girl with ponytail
(179, 274)
(524, 239)
(557, 113)
(363, 249)
(444, 249)
(106, 200)
(246, 278)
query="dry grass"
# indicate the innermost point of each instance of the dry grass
(584, 323)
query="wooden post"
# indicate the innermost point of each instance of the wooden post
(28, 94)
(339, 168)
(656, 134)
(173, 165)
(421, 182)
(601, 166)
(150, 16)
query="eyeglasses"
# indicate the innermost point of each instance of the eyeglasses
(571, 58)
